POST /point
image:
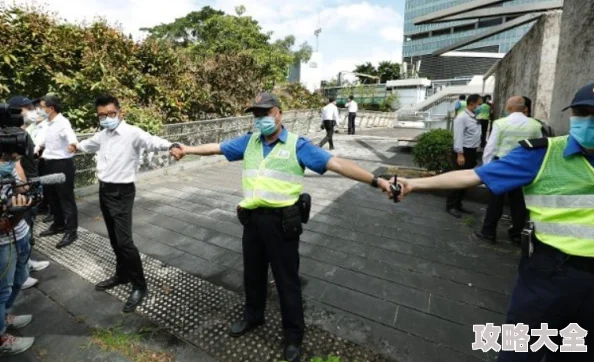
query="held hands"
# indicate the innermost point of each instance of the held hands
(386, 187)
(72, 148)
(178, 152)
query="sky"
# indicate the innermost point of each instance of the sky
(353, 31)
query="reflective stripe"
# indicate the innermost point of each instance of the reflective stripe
(277, 175)
(267, 195)
(572, 230)
(560, 201)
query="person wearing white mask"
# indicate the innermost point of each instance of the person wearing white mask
(118, 147)
(30, 167)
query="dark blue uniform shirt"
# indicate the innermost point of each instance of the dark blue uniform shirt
(309, 155)
(520, 167)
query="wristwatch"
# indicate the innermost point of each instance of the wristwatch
(374, 182)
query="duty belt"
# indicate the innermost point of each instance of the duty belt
(582, 263)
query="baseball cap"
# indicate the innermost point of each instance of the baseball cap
(584, 97)
(19, 101)
(264, 100)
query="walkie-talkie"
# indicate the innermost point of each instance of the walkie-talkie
(396, 190)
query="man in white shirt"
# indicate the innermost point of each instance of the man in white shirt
(118, 148)
(353, 108)
(506, 134)
(54, 144)
(330, 119)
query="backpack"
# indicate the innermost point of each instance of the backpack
(547, 131)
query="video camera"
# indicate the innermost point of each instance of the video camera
(13, 139)
(34, 191)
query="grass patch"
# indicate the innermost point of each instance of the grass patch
(468, 221)
(128, 344)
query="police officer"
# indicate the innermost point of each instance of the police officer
(506, 134)
(274, 160)
(556, 274)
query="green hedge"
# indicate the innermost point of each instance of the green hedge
(434, 150)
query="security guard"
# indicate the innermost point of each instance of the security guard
(460, 104)
(506, 134)
(273, 210)
(556, 274)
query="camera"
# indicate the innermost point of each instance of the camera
(13, 139)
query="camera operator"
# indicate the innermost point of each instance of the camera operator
(29, 164)
(58, 136)
(15, 248)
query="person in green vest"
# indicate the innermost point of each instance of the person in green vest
(460, 104)
(506, 134)
(484, 117)
(273, 209)
(556, 274)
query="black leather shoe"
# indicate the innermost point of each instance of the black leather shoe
(455, 213)
(134, 300)
(52, 230)
(110, 283)
(465, 211)
(67, 239)
(243, 326)
(48, 218)
(488, 238)
(292, 352)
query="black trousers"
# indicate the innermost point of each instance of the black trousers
(484, 130)
(518, 212)
(352, 117)
(61, 196)
(263, 244)
(454, 200)
(116, 202)
(329, 127)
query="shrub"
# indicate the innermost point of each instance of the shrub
(434, 150)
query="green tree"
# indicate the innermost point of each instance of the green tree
(366, 68)
(388, 71)
(186, 30)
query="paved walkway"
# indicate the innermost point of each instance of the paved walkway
(404, 280)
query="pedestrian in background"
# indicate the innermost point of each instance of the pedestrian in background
(353, 108)
(467, 138)
(330, 119)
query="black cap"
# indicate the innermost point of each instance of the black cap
(584, 97)
(19, 102)
(264, 100)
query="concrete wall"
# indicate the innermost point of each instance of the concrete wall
(529, 68)
(575, 63)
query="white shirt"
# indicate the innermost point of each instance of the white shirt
(515, 119)
(352, 106)
(58, 135)
(118, 151)
(37, 131)
(330, 113)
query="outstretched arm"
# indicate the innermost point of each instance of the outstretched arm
(452, 180)
(353, 171)
(202, 150)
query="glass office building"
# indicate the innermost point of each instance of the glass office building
(421, 40)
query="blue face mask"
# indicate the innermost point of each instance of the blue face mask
(42, 113)
(582, 129)
(266, 125)
(7, 168)
(477, 110)
(110, 123)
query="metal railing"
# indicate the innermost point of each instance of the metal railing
(302, 122)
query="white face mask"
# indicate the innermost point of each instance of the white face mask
(110, 123)
(31, 117)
